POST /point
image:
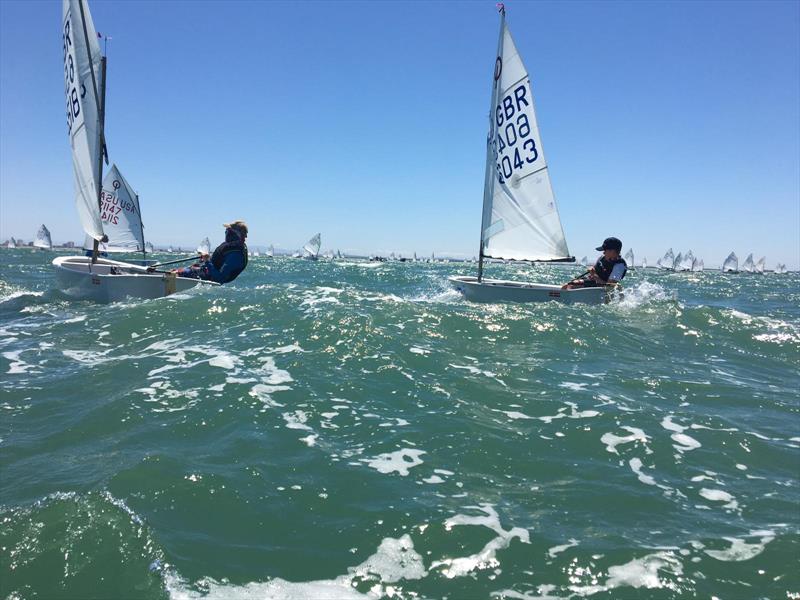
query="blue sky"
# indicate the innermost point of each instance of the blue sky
(664, 123)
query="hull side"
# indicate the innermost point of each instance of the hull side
(101, 284)
(494, 290)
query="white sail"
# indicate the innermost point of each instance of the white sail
(12, 243)
(120, 214)
(644, 262)
(780, 268)
(270, 251)
(43, 239)
(520, 217)
(685, 262)
(748, 266)
(585, 261)
(676, 263)
(148, 247)
(204, 247)
(761, 264)
(312, 246)
(698, 265)
(629, 257)
(82, 73)
(667, 261)
(731, 263)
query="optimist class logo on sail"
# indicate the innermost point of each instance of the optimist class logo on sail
(514, 141)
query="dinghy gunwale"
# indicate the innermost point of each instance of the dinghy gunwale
(504, 290)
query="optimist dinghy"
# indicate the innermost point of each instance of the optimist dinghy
(43, 240)
(520, 217)
(91, 278)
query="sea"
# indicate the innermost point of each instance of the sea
(348, 429)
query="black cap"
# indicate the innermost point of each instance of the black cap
(611, 243)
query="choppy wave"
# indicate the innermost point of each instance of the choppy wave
(335, 430)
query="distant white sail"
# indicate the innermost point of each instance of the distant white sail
(685, 262)
(667, 261)
(748, 266)
(698, 265)
(585, 261)
(676, 263)
(520, 217)
(271, 251)
(780, 268)
(629, 257)
(148, 247)
(204, 247)
(82, 73)
(731, 263)
(644, 262)
(12, 243)
(312, 246)
(761, 264)
(43, 239)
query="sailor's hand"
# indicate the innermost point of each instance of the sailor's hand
(591, 270)
(203, 257)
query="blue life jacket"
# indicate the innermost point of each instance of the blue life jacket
(223, 250)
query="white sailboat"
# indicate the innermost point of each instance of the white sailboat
(684, 262)
(43, 239)
(584, 262)
(12, 243)
(84, 277)
(749, 266)
(731, 264)
(644, 263)
(666, 262)
(311, 247)
(761, 265)
(148, 248)
(780, 268)
(698, 265)
(629, 258)
(270, 251)
(520, 218)
(204, 247)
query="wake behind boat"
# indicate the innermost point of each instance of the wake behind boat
(520, 217)
(115, 209)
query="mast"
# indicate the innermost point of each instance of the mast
(489, 177)
(100, 100)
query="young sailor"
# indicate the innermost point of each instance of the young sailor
(226, 262)
(608, 270)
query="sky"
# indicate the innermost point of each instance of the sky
(666, 124)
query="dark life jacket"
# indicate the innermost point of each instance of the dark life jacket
(603, 267)
(221, 251)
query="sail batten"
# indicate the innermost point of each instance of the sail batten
(520, 218)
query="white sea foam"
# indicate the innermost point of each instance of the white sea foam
(611, 440)
(552, 552)
(400, 461)
(683, 442)
(720, 496)
(636, 467)
(296, 420)
(395, 560)
(740, 550)
(487, 557)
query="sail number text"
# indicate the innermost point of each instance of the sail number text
(513, 144)
(70, 87)
(112, 206)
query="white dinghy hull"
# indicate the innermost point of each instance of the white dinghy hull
(497, 290)
(112, 281)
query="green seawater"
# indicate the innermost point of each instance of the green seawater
(352, 430)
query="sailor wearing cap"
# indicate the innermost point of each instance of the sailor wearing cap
(228, 259)
(608, 270)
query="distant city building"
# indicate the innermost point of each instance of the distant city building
(69, 244)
